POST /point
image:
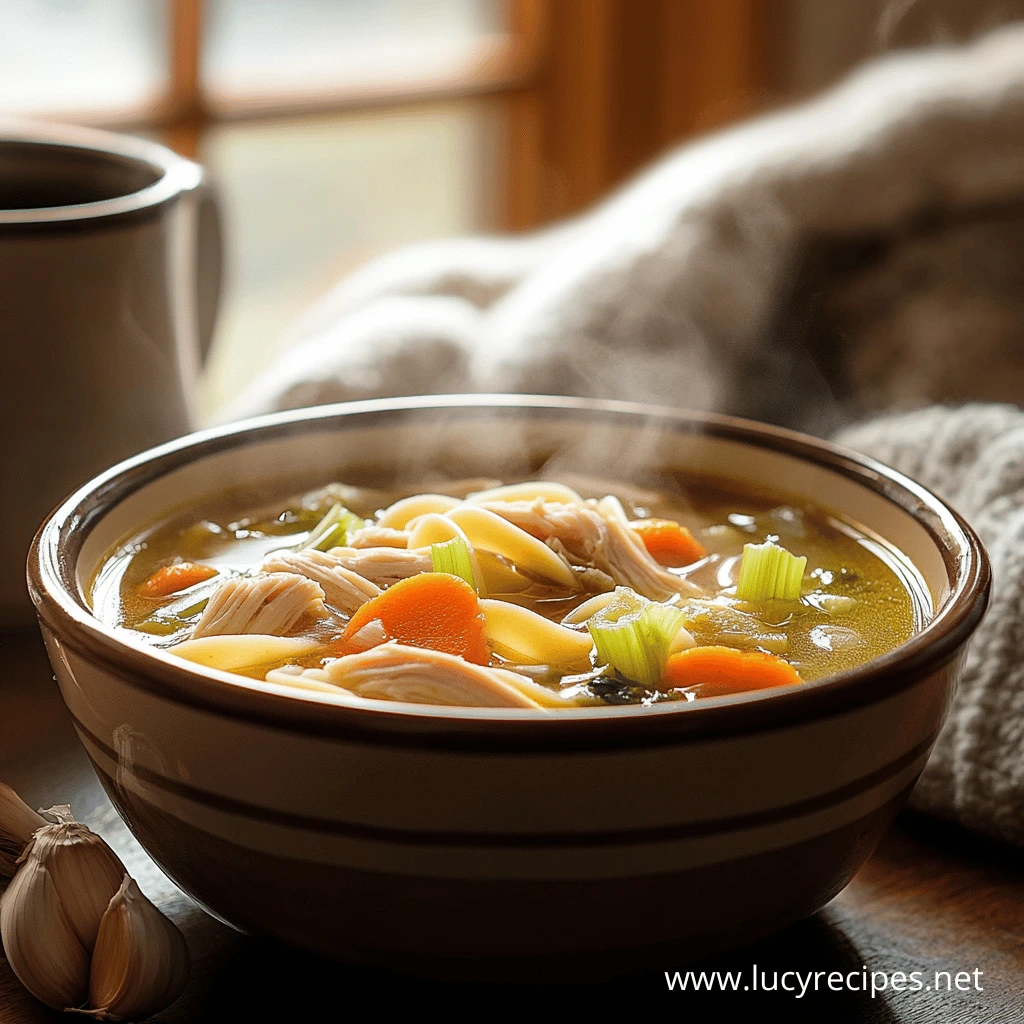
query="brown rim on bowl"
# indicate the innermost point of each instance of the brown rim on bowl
(52, 579)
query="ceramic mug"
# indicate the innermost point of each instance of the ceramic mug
(110, 271)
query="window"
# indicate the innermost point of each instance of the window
(83, 58)
(339, 129)
(275, 50)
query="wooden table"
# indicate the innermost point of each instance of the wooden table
(932, 898)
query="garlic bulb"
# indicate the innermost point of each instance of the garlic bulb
(17, 823)
(40, 944)
(71, 897)
(86, 872)
(140, 963)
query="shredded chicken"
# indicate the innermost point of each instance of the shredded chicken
(269, 602)
(597, 536)
(420, 676)
(343, 589)
(378, 537)
(593, 580)
(531, 516)
(383, 566)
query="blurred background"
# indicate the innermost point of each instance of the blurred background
(340, 129)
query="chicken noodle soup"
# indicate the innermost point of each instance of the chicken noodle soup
(526, 595)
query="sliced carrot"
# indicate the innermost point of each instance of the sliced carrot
(172, 578)
(721, 670)
(433, 610)
(670, 543)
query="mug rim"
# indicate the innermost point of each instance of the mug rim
(175, 174)
(52, 569)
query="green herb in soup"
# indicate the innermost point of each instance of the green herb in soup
(524, 595)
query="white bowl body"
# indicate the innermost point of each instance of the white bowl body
(441, 837)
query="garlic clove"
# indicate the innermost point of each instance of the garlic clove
(71, 896)
(40, 944)
(86, 872)
(140, 962)
(17, 823)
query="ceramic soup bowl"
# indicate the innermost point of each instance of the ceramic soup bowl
(467, 840)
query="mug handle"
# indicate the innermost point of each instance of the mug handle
(209, 263)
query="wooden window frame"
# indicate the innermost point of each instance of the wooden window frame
(185, 110)
(592, 90)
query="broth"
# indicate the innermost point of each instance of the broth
(858, 596)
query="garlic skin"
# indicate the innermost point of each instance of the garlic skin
(71, 897)
(140, 962)
(17, 824)
(40, 944)
(86, 872)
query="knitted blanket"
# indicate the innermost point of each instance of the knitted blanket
(860, 254)
(974, 457)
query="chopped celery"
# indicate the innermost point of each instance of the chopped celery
(661, 623)
(452, 556)
(768, 571)
(633, 635)
(333, 529)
